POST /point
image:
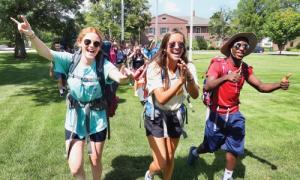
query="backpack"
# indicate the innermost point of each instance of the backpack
(208, 95)
(108, 90)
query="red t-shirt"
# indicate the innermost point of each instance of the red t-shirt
(227, 94)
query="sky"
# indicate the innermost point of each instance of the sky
(203, 8)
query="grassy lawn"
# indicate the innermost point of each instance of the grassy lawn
(32, 127)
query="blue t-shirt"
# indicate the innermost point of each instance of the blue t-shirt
(83, 91)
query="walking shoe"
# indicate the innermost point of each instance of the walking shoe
(222, 178)
(148, 176)
(192, 158)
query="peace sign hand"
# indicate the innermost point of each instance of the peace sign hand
(23, 27)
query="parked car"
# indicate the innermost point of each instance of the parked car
(259, 49)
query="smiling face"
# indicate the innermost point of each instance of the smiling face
(90, 41)
(175, 47)
(239, 48)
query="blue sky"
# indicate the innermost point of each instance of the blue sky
(203, 8)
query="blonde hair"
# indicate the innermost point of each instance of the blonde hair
(87, 30)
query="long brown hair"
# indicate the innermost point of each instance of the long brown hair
(161, 56)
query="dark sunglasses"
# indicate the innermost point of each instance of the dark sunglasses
(238, 45)
(88, 42)
(173, 44)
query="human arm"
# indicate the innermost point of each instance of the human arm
(267, 87)
(216, 76)
(120, 77)
(163, 95)
(24, 27)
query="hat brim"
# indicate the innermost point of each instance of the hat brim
(252, 40)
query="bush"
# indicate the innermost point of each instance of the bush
(211, 48)
(199, 43)
(288, 49)
(298, 46)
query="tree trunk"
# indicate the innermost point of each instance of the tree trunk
(20, 51)
(280, 47)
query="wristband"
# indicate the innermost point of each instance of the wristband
(30, 37)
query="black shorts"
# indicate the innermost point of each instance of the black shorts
(156, 127)
(97, 137)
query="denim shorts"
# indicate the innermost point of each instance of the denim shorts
(228, 135)
(97, 137)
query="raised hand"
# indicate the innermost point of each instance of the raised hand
(182, 70)
(284, 84)
(23, 27)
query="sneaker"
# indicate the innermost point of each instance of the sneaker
(192, 158)
(222, 178)
(148, 176)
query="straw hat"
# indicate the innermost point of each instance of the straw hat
(252, 40)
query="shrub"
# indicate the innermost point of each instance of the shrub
(298, 46)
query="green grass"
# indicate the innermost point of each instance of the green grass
(32, 127)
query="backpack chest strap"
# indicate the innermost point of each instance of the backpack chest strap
(96, 104)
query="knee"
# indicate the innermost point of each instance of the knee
(76, 171)
(95, 161)
(162, 164)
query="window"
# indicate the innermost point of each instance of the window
(164, 18)
(197, 30)
(164, 30)
(151, 30)
(204, 30)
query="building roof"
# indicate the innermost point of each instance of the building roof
(173, 19)
(198, 21)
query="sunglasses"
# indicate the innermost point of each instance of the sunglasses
(238, 45)
(179, 44)
(88, 42)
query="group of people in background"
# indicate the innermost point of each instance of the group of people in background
(169, 77)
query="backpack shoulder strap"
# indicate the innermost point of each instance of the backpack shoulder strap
(75, 61)
(100, 71)
(222, 63)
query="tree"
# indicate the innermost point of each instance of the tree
(46, 15)
(106, 15)
(219, 24)
(283, 26)
(251, 15)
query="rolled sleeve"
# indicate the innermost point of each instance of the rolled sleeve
(154, 79)
(61, 61)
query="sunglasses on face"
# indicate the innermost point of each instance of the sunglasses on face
(238, 45)
(179, 44)
(88, 42)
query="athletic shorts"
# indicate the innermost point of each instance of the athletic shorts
(229, 136)
(97, 137)
(173, 121)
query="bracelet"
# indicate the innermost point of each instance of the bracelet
(30, 37)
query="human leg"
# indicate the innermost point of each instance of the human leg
(96, 159)
(75, 159)
(97, 145)
(234, 143)
(159, 154)
(171, 148)
(213, 139)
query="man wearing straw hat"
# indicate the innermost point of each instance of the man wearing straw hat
(225, 125)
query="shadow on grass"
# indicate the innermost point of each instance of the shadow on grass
(128, 167)
(29, 71)
(43, 94)
(131, 167)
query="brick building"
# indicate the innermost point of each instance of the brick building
(167, 23)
